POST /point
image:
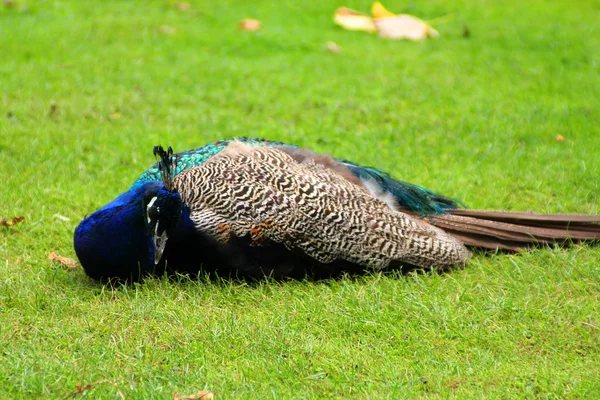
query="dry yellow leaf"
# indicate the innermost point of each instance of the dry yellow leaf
(353, 20)
(559, 138)
(67, 262)
(379, 11)
(250, 24)
(388, 24)
(115, 115)
(404, 26)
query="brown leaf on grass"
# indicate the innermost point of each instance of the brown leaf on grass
(466, 32)
(115, 115)
(69, 263)
(201, 395)
(9, 3)
(11, 221)
(250, 25)
(559, 138)
(167, 30)
(53, 110)
(353, 20)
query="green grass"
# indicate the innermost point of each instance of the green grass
(474, 118)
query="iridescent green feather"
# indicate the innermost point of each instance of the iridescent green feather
(193, 158)
(409, 197)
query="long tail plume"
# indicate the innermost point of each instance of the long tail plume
(514, 231)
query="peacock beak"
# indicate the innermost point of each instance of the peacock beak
(160, 241)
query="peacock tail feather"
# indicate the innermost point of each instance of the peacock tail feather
(410, 197)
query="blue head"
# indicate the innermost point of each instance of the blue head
(126, 238)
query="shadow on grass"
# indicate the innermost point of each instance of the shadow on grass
(234, 277)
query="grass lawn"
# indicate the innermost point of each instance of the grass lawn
(88, 87)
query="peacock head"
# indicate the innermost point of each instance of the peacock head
(163, 207)
(126, 238)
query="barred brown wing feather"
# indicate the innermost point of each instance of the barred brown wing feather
(265, 193)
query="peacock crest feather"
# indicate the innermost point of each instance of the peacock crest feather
(195, 157)
(166, 165)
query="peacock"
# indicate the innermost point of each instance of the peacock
(249, 208)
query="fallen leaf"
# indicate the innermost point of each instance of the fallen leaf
(388, 24)
(167, 30)
(353, 20)
(404, 26)
(53, 110)
(466, 32)
(9, 3)
(201, 395)
(67, 262)
(11, 221)
(115, 115)
(183, 5)
(250, 25)
(559, 138)
(332, 47)
(379, 11)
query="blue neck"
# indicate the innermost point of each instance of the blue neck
(113, 242)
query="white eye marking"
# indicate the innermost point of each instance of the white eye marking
(150, 204)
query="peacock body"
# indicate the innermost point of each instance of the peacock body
(250, 207)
